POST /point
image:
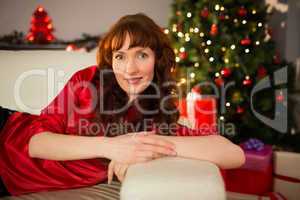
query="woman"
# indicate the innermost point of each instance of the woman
(121, 111)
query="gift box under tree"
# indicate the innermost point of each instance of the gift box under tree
(287, 174)
(255, 176)
(199, 112)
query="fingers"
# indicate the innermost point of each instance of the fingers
(120, 171)
(110, 172)
(144, 156)
(153, 140)
(157, 149)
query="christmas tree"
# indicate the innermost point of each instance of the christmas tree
(41, 27)
(229, 43)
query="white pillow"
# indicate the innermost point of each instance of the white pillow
(31, 79)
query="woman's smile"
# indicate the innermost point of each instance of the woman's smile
(134, 80)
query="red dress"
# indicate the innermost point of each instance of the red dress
(22, 174)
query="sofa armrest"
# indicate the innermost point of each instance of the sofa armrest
(173, 178)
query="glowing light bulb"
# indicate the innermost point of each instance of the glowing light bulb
(180, 34)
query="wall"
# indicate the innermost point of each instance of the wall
(293, 31)
(71, 18)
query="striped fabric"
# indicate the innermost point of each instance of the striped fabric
(101, 191)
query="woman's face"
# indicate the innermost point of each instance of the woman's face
(133, 68)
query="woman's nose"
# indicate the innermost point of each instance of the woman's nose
(131, 67)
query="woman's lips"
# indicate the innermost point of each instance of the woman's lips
(133, 81)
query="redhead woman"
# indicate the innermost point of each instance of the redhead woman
(106, 118)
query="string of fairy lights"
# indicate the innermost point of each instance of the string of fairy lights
(206, 46)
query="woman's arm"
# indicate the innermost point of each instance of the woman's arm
(213, 148)
(129, 148)
(53, 146)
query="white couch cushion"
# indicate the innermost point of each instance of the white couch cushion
(31, 79)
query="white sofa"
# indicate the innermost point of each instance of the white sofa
(30, 79)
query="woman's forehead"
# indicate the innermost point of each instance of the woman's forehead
(130, 40)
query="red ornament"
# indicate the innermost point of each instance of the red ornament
(30, 37)
(41, 27)
(245, 42)
(71, 47)
(222, 17)
(247, 82)
(276, 59)
(226, 72)
(242, 12)
(183, 55)
(219, 81)
(280, 98)
(213, 30)
(49, 38)
(197, 89)
(240, 110)
(204, 13)
(261, 72)
(270, 31)
(179, 26)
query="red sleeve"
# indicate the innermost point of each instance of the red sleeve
(56, 116)
(21, 173)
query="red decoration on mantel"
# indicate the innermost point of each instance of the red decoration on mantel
(41, 27)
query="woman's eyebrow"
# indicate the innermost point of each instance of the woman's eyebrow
(122, 52)
(118, 51)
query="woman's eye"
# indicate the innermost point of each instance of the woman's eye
(119, 57)
(143, 55)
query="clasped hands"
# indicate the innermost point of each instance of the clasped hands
(133, 148)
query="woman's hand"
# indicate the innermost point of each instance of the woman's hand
(138, 147)
(117, 168)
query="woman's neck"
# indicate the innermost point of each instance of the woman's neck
(132, 98)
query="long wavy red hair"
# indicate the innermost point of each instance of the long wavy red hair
(143, 32)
